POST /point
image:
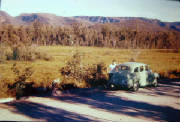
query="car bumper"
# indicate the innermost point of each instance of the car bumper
(122, 85)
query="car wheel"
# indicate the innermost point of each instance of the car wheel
(155, 84)
(112, 86)
(135, 86)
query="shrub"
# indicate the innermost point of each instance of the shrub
(22, 76)
(45, 80)
(73, 70)
(24, 53)
(76, 73)
(97, 75)
(4, 88)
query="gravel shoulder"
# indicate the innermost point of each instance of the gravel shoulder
(80, 105)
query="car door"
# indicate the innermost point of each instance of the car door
(150, 77)
(143, 76)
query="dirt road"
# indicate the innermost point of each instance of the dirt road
(82, 105)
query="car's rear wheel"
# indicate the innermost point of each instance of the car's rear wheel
(135, 86)
(112, 86)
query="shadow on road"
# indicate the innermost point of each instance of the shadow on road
(45, 113)
(100, 99)
(166, 87)
(97, 99)
(173, 82)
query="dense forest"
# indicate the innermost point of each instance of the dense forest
(102, 35)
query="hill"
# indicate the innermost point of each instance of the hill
(125, 22)
(5, 18)
(134, 22)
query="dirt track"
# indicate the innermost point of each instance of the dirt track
(82, 105)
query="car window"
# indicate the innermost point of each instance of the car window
(136, 69)
(124, 68)
(146, 68)
(116, 68)
(141, 68)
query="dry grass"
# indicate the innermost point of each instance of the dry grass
(161, 61)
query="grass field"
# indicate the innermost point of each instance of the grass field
(161, 61)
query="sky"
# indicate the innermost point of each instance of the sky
(164, 10)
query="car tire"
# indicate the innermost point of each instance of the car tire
(155, 84)
(112, 86)
(135, 86)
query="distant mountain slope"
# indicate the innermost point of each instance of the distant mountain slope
(134, 22)
(5, 18)
(51, 19)
(43, 18)
(139, 23)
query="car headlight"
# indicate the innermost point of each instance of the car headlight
(112, 86)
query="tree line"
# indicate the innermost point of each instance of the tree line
(104, 35)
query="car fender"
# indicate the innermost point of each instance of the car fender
(156, 75)
(135, 78)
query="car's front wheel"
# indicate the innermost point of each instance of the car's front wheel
(135, 86)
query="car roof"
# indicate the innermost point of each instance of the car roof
(133, 64)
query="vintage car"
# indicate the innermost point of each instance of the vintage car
(132, 75)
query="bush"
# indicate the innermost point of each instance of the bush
(25, 53)
(22, 76)
(76, 73)
(4, 89)
(97, 75)
(73, 71)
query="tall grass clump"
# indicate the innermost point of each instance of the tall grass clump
(22, 52)
(5, 52)
(29, 53)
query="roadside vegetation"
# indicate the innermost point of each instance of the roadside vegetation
(81, 67)
(21, 52)
(83, 75)
(37, 54)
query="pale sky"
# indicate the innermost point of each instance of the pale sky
(164, 10)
